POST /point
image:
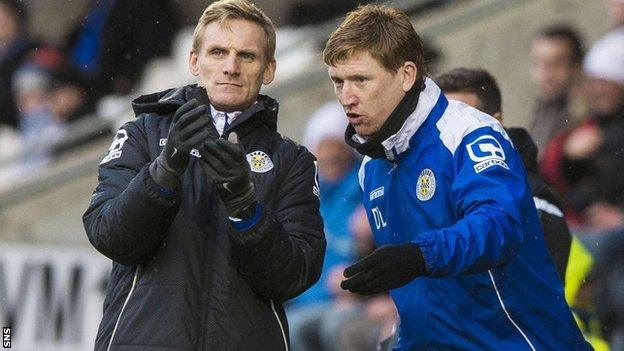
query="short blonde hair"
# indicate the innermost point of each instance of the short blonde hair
(224, 10)
(384, 32)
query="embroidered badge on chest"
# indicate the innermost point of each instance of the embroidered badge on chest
(426, 185)
(259, 162)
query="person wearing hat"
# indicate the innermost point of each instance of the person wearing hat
(588, 152)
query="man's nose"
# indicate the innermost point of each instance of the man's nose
(348, 96)
(231, 65)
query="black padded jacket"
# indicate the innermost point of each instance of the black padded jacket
(183, 278)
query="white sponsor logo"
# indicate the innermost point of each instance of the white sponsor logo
(162, 142)
(482, 166)
(195, 152)
(487, 152)
(426, 185)
(379, 192)
(259, 162)
(114, 151)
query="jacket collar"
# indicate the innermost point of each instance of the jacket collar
(400, 142)
(168, 101)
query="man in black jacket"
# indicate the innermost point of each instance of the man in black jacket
(478, 89)
(210, 216)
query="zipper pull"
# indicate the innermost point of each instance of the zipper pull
(394, 166)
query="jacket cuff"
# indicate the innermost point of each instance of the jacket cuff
(255, 237)
(429, 253)
(161, 195)
(246, 224)
(165, 179)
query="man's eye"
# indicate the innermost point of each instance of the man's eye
(360, 79)
(248, 57)
(217, 52)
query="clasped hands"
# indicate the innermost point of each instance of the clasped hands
(223, 161)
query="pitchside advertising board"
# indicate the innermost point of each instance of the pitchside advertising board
(51, 297)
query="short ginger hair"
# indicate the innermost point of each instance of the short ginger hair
(384, 32)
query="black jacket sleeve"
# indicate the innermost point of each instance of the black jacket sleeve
(128, 215)
(558, 240)
(556, 233)
(282, 255)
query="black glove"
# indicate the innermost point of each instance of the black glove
(188, 130)
(225, 163)
(386, 268)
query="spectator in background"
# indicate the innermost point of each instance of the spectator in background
(32, 86)
(116, 39)
(556, 58)
(46, 97)
(69, 94)
(340, 193)
(477, 88)
(326, 317)
(615, 8)
(14, 47)
(38, 128)
(585, 162)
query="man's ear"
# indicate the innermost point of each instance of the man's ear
(194, 63)
(269, 72)
(409, 72)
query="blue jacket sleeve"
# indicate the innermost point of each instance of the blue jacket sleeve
(488, 189)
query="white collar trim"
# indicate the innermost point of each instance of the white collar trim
(426, 101)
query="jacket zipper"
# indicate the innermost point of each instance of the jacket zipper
(134, 280)
(280, 325)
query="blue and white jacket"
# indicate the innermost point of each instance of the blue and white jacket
(453, 183)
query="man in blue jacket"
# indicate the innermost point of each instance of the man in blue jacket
(459, 243)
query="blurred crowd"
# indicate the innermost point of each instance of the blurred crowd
(46, 88)
(577, 122)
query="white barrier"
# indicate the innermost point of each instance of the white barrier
(51, 297)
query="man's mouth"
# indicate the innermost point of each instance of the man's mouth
(230, 84)
(354, 118)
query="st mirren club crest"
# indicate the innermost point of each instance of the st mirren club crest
(426, 185)
(259, 162)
